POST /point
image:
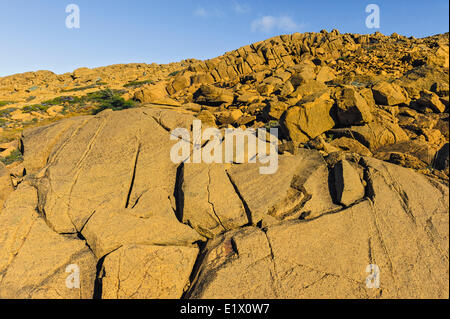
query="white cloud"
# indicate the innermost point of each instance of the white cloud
(240, 7)
(208, 13)
(269, 24)
(201, 12)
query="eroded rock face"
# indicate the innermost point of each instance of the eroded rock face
(230, 265)
(299, 189)
(102, 193)
(112, 184)
(6, 186)
(328, 257)
(211, 204)
(107, 231)
(113, 161)
(35, 262)
(147, 272)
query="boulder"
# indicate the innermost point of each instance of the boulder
(286, 89)
(275, 109)
(248, 98)
(309, 87)
(352, 108)
(211, 95)
(229, 116)
(441, 159)
(207, 118)
(440, 56)
(181, 81)
(374, 135)
(304, 72)
(310, 118)
(349, 188)
(367, 94)
(274, 81)
(351, 145)
(431, 101)
(424, 78)
(192, 107)
(151, 93)
(202, 78)
(265, 89)
(388, 94)
(419, 149)
(246, 120)
(235, 115)
(325, 74)
(282, 74)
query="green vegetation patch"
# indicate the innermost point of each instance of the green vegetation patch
(102, 100)
(35, 108)
(15, 156)
(135, 84)
(7, 112)
(174, 73)
(329, 137)
(3, 103)
(82, 88)
(87, 87)
(111, 100)
(272, 124)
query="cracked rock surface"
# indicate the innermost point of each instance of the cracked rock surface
(101, 192)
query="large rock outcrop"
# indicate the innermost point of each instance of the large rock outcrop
(328, 257)
(101, 193)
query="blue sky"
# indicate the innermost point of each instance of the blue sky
(33, 34)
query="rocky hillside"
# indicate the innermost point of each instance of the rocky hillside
(376, 95)
(362, 177)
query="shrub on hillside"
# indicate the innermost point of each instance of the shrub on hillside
(111, 100)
